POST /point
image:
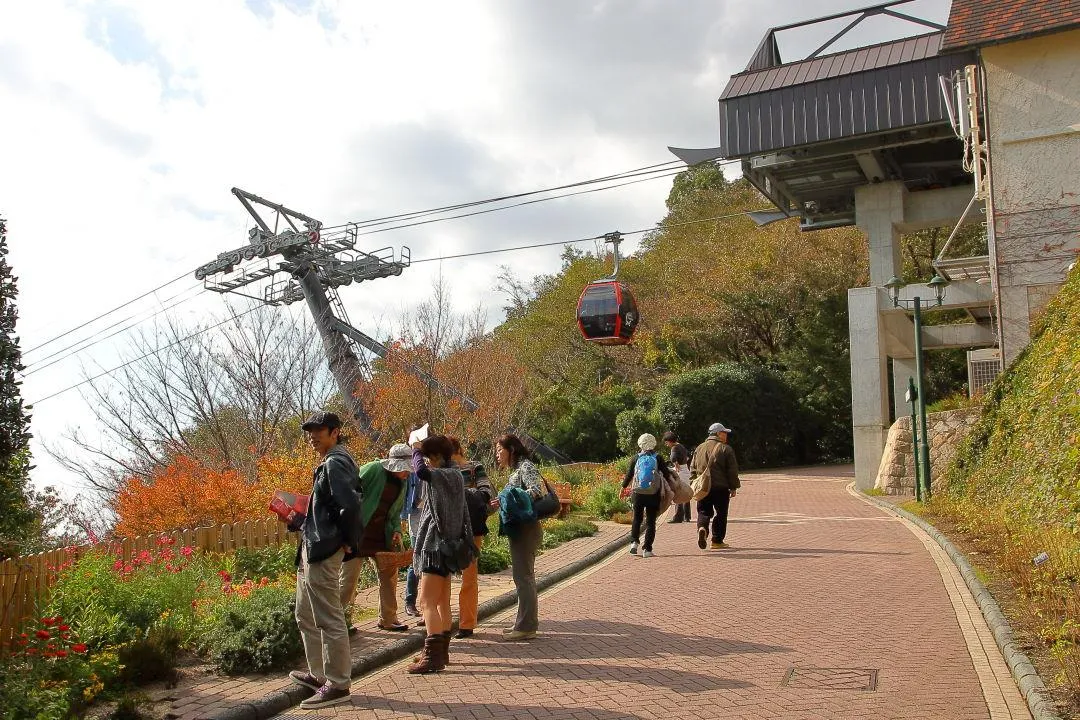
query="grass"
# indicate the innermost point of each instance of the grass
(874, 492)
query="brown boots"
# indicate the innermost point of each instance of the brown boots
(434, 656)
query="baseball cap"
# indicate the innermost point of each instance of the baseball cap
(399, 459)
(718, 428)
(328, 420)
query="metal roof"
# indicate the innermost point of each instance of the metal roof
(873, 57)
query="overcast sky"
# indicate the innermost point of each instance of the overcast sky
(123, 125)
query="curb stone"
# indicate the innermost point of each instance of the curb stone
(1027, 678)
(281, 700)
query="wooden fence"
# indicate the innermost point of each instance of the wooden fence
(25, 581)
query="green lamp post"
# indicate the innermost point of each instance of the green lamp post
(922, 454)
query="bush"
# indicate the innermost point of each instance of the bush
(556, 532)
(630, 424)
(604, 501)
(271, 562)
(753, 401)
(151, 657)
(253, 629)
(494, 554)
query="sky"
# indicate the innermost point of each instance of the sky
(123, 126)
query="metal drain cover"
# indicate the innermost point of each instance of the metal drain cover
(864, 679)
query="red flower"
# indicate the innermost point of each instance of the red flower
(128, 569)
(31, 651)
(48, 654)
(48, 622)
(118, 565)
(43, 634)
(23, 636)
(79, 647)
(225, 576)
(186, 550)
(63, 627)
(61, 653)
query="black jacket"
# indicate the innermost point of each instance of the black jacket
(334, 517)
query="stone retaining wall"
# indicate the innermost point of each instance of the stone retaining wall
(896, 475)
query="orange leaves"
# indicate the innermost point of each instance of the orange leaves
(185, 495)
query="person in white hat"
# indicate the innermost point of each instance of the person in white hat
(716, 456)
(647, 472)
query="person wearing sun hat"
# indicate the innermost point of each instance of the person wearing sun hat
(716, 456)
(382, 485)
(647, 471)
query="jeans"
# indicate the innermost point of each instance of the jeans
(645, 505)
(523, 546)
(681, 513)
(412, 580)
(714, 506)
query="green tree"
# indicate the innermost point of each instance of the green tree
(19, 523)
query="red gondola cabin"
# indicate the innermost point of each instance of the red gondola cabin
(607, 313)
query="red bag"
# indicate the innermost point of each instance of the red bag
(287, 505)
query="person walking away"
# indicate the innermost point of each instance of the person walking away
(443, 518)
(647, 473)
(332, 527)
(383, 488)
(716, 456)
(525, 537)
(679, 459)
(478, 496)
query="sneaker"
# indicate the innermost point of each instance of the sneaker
(326, 696)
(633, 548)
(410, 610)
(647, 553)
(515, 635)
(719, 546)
(702, 535)
(306, 679)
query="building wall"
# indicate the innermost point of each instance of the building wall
(1033, 116)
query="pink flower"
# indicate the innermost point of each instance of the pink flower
(145, 557)
(128, 569)
(118, 565)
(186, 550)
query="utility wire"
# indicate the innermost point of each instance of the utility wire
(149, 354)
(37, 365)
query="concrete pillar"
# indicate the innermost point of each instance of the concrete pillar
(869, 382)
(879, 209)
(1015, 321)
(903, 368)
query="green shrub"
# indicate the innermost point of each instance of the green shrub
(151, 657)
(494, 554)
(253, 630)
(630, 424)
(271, 562)
(956, 401)
(556, 532)
(604, 501)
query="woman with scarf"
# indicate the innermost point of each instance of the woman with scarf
(525, 537)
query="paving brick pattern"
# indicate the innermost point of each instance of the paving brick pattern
(817, 580)
(210, 694)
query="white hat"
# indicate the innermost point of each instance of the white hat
(718, 428)
(399, 459)
(646, 442)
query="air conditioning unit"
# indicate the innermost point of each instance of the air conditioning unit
(983, 367)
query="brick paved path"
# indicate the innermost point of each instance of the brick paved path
(818, 580)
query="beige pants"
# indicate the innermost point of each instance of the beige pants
(469, 593)
(322, 621)
(350, 574)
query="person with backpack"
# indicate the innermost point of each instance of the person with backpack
(525, 535)
(478, 496)
(679, 459)
(647, 472)
(383, 488)
(716, 458)
(331, 528)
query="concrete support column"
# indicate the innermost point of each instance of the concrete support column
(879, 209)
(902, 368)
(869, 382)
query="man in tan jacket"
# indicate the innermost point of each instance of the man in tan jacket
(716, 456)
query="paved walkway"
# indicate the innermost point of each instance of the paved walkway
(211, 693)
(826, 607)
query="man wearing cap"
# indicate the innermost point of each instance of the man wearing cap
(332, 527)
(382, 487)
(716, 456)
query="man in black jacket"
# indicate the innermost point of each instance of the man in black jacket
(331, 528)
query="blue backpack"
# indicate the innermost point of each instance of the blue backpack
(647, 477)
